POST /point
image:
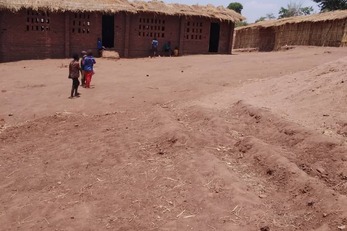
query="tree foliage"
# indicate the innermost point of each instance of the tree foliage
(236, 6)
(270, 16)
(242, 23)
(294, 9)
(330, 5)
(262, 18)
(267, 17)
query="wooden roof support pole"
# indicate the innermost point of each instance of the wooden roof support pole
(2, 31)
(344, 37)
(127, 35)
(231, 37)
(67, 35)
(181, 40)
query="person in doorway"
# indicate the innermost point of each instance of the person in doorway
(100, 47)
(74, 74)
(155, 45)
(88, 68)
(83, 79)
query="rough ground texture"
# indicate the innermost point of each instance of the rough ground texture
(252, 141)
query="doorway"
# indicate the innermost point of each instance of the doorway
(108, 31)
(214, 37)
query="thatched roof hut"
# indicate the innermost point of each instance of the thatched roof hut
(54, 29)
(324, 29)
(113, 6)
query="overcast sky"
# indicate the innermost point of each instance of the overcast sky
(252, 9)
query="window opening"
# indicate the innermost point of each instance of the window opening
(193, 30)
(151, 27)
(37, 21)
(81, 23)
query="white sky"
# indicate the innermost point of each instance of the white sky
(252, 9)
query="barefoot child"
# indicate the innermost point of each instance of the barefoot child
(74, 74)
(88, 67)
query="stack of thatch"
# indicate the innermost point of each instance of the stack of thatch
(112, 6)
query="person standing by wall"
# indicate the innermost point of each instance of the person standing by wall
(155, 45)
(88, 66)
(74, 74)
(167, 48)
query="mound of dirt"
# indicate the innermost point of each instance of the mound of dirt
(315, 98)
(108, 54)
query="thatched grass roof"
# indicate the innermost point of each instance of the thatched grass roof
(113, 6)
(208, 11)
(327, 16)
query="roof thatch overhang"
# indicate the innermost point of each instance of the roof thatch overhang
(321, 17)
(114, 6)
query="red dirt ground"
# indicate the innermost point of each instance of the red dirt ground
(251, 141)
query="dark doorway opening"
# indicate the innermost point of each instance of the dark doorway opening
(108, 31)
(214, 37)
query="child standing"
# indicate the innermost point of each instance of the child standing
(83, 79)
(74, 74)
(88, 66)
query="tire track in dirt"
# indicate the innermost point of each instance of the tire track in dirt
(304, 171)
(319, 156)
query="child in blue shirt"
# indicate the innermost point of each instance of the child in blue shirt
(88, 67)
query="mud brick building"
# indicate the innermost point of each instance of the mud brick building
(55, 29)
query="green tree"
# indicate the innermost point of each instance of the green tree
(294, 9)
(330, 5)
(236, 6)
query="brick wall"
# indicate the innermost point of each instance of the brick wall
(26, 35)
(194, 33)
(226, 37)
(144, 27)
(83, 31)
(119, 32)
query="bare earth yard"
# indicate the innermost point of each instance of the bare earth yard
(250, 141)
